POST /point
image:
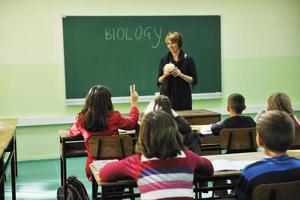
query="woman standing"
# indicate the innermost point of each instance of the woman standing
(177, 72)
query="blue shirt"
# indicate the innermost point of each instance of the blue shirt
(269, 170)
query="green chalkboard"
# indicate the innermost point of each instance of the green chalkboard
(121, 50)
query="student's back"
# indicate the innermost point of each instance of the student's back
(235, 107)
(99, 118)
(275, 134)
(162, 169)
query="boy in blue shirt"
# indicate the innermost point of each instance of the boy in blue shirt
(275, 134)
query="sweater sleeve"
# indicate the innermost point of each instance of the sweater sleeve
(120, 169)
(130, 122)
(75, 127)
(203, 165)
(193, 71)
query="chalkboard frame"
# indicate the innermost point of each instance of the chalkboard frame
(146, 98)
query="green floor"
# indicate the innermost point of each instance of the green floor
(40, 179)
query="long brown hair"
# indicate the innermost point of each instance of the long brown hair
(159, 136)
(97, 105)
(280, 101)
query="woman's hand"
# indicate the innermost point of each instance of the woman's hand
(133, 96)
(176, 72)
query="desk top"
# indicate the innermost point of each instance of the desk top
(8, 123)
(197, 113)
(7, 132)
(95, 172)
(255, 156)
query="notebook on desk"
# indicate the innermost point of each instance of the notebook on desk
(202, 129)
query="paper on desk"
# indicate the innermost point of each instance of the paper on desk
(205, 129)
(222, 164)
(122, 131)
(99, 164)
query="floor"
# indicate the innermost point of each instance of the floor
(41, 179)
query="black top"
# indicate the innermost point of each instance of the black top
(233, 122)
(178, 90)
(183, 126)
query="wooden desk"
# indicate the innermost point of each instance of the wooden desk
(200, 116)
(7, 144)
(124, 183)
(231, 174)
(218, 175)
(71, 147)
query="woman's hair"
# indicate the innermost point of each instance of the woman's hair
(163, 102)
(175, 37)
(97, 105)
(276, 130)
(159, 136)
(236, 102)
(280, 101)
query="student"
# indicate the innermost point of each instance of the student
(162, 168)
(99, 118)
(191, 140)
(275, 134)
(280, 101)
(235, 107)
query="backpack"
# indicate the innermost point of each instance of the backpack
(75, 190)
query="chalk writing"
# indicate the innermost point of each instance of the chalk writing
(151, 33)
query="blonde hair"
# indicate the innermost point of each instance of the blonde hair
(175, 37)
(280, 101)
(275, 128)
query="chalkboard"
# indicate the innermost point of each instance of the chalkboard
(117, 51)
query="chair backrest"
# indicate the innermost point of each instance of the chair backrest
(111, 147)
(236, 140)
(296, 143)
(278, 191)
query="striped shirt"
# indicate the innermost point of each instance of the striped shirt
(268, 170)
(160, 179)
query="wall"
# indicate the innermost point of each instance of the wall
(260, 55)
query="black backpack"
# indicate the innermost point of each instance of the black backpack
(75, 190)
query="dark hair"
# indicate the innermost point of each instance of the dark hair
(236, 102)
(97, 105)
(175, 37)
(276, 130)
(159, 136)
(163, 102)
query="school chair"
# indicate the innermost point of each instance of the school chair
(238, 140)
(234, 140)
(278, 191)
(112, 147)
(296, 143)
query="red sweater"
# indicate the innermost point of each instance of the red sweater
(114, 120)
(160, 179)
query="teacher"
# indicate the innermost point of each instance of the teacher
(177, 73)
